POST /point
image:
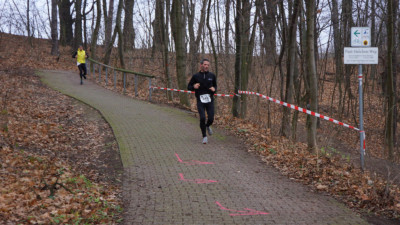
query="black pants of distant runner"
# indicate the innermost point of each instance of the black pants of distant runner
(82, 70)
(202, 108)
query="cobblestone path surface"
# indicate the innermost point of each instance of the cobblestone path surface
(171, 178)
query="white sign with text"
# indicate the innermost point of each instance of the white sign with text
(361, 55)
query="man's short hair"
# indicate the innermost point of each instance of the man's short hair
(204, 60)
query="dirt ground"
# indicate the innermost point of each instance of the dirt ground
(58, 133)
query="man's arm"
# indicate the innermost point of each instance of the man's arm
(74, 55)
(215, 83)
(191, 83)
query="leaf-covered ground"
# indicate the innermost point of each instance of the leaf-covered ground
(59, 161)
(325, 172)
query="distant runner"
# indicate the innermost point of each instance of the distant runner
(81, 61)
(204, 84)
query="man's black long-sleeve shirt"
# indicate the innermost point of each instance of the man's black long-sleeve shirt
(206, 80)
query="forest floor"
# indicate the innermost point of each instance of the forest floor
(50, 146)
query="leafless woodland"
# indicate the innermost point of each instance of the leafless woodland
(291, 50)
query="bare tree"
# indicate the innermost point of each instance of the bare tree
(165, 43)
(390, 127)
(227, 24)
(129, 31)
(110, 46)
(269, 31)
(66, 22)
(214, 51)
(84, 19)
(312, 77)
(194, 40)
(178, 32)
(347, 22)
(290, 67)
(283, 34)
(78, 24)
(28, 23)
(157, 27)
(160, 38)
(118, 30)
(337, 40)
(95, 34)
(373, 35)
(244, 38)
(54, 30)
(108, 21)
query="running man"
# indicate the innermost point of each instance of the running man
(204, 84)
(81, 56)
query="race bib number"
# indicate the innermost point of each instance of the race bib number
(205, 98)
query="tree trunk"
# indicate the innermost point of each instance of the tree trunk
(218, 27)
(108, 19)
(373, 39)
(66, 22)
(54, 30)
(95, 34)
(129, 32)
(194, 41)
(178, 32)
(214, 51)
(118, 30)
(238, 59)
(28, 21)
(290, 68)
(164, 46)
(227, 19)
(312, 76)
(157, 27)
(244, 52)
(337, 40)
(269, 19)
(283, 40)
(109, 47)
(241, 50)
(390, 83)
(84, 24)
(346, 26)
(78, 24)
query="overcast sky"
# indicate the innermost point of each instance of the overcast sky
(13, 14)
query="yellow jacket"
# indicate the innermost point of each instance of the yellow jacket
(81, 56)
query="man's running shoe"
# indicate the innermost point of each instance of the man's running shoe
(209, 130)
(205, 140)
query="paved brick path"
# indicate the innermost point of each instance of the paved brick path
(160, 188)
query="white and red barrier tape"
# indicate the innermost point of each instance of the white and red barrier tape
(306, 111)
(299, 109)
(185, 91)
(309, 112)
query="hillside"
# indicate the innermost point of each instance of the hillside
(334, 170)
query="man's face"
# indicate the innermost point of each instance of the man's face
(204, 66)
(80, 48)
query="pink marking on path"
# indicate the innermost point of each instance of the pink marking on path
(193, 162)
(248, 212)
(197, 181)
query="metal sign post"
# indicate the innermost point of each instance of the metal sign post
(361, 53)
(362, 133)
